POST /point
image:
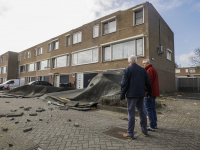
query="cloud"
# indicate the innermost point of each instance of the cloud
(3, 9)
(183, 59)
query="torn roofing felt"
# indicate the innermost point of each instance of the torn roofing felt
(106, 83)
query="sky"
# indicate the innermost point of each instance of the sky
(26, 23)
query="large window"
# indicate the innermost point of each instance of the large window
(138, 15)
(95, 31)
(30, 67)
(40, 50)
(77, 37)
(61, 61)
(22, 68)
(169, 54)
(42, 65)
(55, 45)
(67, 40)
(123, 50)
(177, 71)
(109, 26)
(192, 70)
(85, 57)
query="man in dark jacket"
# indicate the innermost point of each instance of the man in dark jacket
(134, 81)
(149, 103)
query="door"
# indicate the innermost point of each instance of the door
(57, 81)
(79, 80)
(88, 77)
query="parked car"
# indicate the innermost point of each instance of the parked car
(44, 83)
(10, 84)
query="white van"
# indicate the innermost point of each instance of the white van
(10, 84)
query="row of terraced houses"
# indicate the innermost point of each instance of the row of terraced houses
(104, 44)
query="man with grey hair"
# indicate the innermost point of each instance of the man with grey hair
(149, 102)
(134, 81)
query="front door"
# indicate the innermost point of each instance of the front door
(79, 80)
(57, 81)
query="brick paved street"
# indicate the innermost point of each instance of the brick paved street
(178, 123)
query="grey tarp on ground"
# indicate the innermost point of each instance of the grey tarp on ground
(106, 83)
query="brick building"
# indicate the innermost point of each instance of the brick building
(188, 72)
(8, 66)
(104, 44)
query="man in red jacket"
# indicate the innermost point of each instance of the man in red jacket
(149, 103)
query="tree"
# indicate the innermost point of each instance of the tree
(176, 65)
(195, 59)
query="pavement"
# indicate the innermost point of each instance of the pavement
(55, 129)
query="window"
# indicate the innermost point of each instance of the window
(61, 61)
(169, 54)
(77, 37)
(186, 70)
(4, 69)
(43, 65)
(22, 68)
(30, 67)
(55, 45)
(40, 50)
(35, 52)
(192, 70)
(138, 15)
(109, 26)
(177, 71)
(68, 40)
(28, 55)
(85, 57)
(49, 47)
(19, 57)
(2, 59)
(24, 55)
(95, 31)
(0, 70)
(7, 57)
(123, 50)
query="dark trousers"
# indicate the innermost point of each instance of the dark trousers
(137, 102)
(149, 104)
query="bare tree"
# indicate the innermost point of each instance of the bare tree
(195, 59)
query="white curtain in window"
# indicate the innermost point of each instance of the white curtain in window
(96, 31)
(129, 48)
(61, 61)
(75, 38)
(74, 60)
(107, 54)
(79, 36)
(112, 26)
(31, 67)
(85, 57)
(95, 55)
(105, 28)
(117, 51)
(139, 47)
(4, 69)
(44, 64)
(139, 17)
(56, 44)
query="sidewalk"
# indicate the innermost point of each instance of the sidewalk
(178, 127)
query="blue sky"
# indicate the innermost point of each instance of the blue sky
(25, 23)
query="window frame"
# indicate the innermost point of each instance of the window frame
(193, 70)
(27, 68)
(28, 54)
(67, 40)
(169, 54)
(67, 60)
(177, 70)
(97, 25)
(107, 21)
(39, 50)
(53, 45)
(48, 47)
(135, 10)
(76, 34)
(39, 62)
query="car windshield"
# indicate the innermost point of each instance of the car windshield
(30, 83)
(6, 82)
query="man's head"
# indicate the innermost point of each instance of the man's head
(132, 59)
(146, 62)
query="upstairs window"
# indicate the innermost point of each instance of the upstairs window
(77, 37)
(177, 71)
(138, 15)
(24, 55)
(28, 55)
(61, 61)
(192, 70)
(4, 69)
(22, 68)
(43, 65)
(67, 40)
(7, 57)
(55, 45)
(0, 70)
(169, 54)
(39, 50)
(35, 52)
(109, 25)
(30, 67)
(95, 31)
(186, 70)
(49, 47)
(2, 59)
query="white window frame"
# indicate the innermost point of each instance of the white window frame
(186, 70)
(35, 52)
(109, 20)
(134, 13)
(48, 66)
(67, 42)
(39, 50)
(53, 45)
(24, 68)
(192, 70)
(48, 47)
(86, 50)
(177, 70)
(28, 54)
(67, 62)
(94, 27)
(27, 69)
(122, 41)
(2, 69)
(169, 54)
(75, 36)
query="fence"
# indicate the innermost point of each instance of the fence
(188, 84)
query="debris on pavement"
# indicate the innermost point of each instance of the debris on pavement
(14, 114)
(33, 114)
(4, 129)
(40, 110)
(76, 124)
(27, 129)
